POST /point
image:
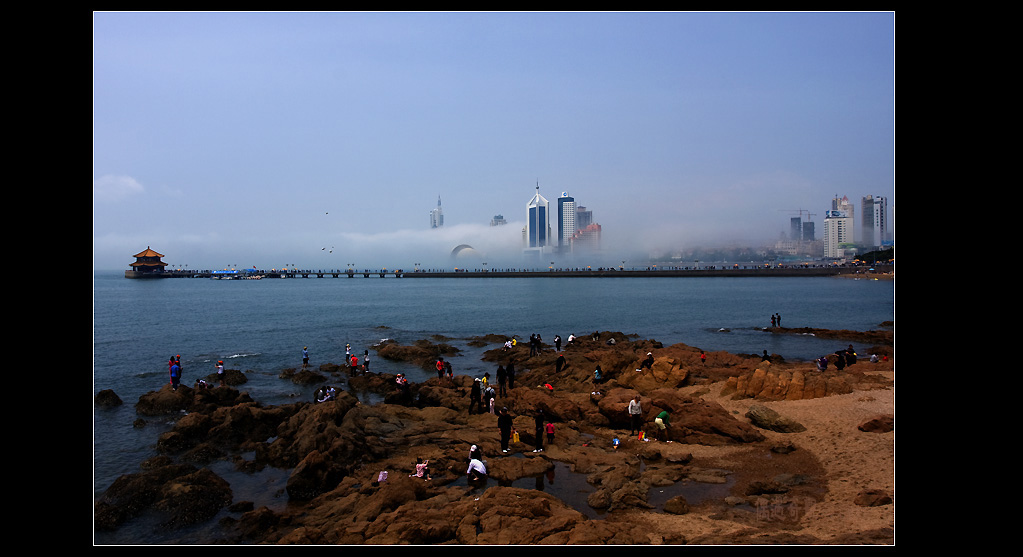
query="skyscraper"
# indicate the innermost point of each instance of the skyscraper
(566, 221)
(538, 222)
(875, 221)
(437, 216)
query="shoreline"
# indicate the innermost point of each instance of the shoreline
(837, 460)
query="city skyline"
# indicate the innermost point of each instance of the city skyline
(270, 138)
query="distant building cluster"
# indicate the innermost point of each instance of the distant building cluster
(576, 232)
(842, 237)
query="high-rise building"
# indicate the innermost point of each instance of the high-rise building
(838, 228)
(538, 222)
(583, 217)
(498, 220)
(566, 221)
(437, 216)
(874, 223)
(843, 204)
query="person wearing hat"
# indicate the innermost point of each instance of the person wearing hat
(649, 361)
(220, 371)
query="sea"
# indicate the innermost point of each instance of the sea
(262, 326)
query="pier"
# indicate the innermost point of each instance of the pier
(610, 272)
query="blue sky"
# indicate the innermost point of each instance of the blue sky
(263, 138)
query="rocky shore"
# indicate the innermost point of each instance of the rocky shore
(792, 455)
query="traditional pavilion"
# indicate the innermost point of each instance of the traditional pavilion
(146, 263)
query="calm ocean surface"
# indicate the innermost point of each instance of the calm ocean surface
(260, 326)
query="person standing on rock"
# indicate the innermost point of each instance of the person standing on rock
(510, 370)
(557, 343)
(175, 376)
(502, 381)
(538, 432)
(504, 424)
(559, 364)
(636, 414)
(440, 367)
(476, 396)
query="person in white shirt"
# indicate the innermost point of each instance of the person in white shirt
(635, 414)
(477, 470)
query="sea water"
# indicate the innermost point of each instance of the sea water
(261, 327)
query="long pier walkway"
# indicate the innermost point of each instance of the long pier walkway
(774, 271)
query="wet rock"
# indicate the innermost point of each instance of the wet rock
(676, 505)
(766, 418)
(107, 398)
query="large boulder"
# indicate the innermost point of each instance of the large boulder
(182, 493)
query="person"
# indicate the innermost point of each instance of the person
(220, 371)
(510, 370)
(703, 357)
(475, 395)
(559, 364)
(365, 361)
(822, 363)
(486, 379)
(779, 320)
(773, 321)
(598, 377)
(850, 355)
(448, 370)
(538, 421)
(507, 344)
(648, 361)
(488, 398)
(571, 338)
(557, 342)
(354, 365)
(477, 470)
(440, 367)
(840, 360)
(635, 414)
(422, 469)
(663, 423)
(175, 376)
(765, 357)
(550, 432)
(201, 384)
(502, 381)
(504, 424)
(532, 344)
(873, 358)
(305, 356)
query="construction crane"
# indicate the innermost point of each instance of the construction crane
(800, 213)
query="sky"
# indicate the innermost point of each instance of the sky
(320, 140)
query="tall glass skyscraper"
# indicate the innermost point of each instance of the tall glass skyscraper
(538, 222)
(566, 221)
